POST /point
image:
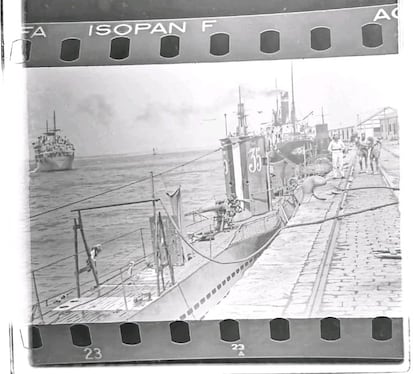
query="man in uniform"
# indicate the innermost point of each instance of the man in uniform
(337, 148)
(374, 151)
(362, 148)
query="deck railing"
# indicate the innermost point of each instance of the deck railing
(49, 302)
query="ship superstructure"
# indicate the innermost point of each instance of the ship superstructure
(53, 152)
(295, 149)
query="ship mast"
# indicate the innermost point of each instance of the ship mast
(276, 113)
(293, 109)
(55, 130)
(242, 127)
(277, 97)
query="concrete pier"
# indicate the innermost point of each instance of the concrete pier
(352, 269)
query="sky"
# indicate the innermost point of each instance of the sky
(132, 109)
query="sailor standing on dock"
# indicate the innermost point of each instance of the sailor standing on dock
(362, 147)
(337, 148)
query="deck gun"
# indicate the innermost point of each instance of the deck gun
(225, 211)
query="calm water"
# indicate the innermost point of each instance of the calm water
(52, 235)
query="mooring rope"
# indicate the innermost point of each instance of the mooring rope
(263, 247)
(177, 229)
(339, 216)
(369, 188)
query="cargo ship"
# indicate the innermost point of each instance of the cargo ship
(196, 256)
(295, 149)
(53, 152)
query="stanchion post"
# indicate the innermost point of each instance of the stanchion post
(37, 296)
(142, 242)
(269, 183)
(75, 232)
(164, 239)
(155, 243)
(123, 289)
(88, 253)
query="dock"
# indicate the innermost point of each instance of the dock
(346, 267)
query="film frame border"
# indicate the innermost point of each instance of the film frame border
(394, 347)
(317, 339)
(361, 31)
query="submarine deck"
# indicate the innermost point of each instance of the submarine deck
(114, 301)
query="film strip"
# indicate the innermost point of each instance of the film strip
(329, 339)
(370, 29)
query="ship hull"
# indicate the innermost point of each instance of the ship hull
(57, 163)
(191, 298)
(286, 151)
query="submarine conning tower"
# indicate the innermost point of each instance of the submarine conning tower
(245, 171)
(246, 166)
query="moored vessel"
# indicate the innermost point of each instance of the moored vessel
(53, 152)
(295, 149)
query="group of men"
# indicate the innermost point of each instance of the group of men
(367, 149)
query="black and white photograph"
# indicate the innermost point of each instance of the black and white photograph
(209, 182)
(239, 190)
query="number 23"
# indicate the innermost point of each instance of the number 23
(93, 353)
